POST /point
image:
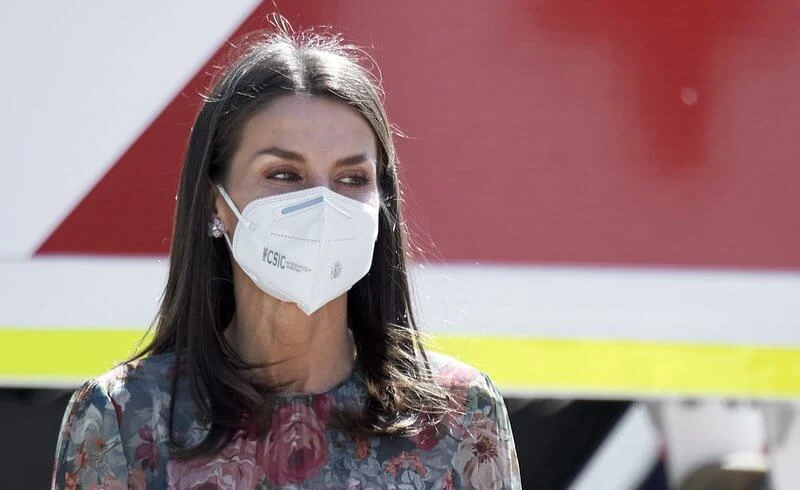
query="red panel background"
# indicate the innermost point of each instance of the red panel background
(548, 131)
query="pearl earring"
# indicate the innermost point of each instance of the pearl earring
(216, 227)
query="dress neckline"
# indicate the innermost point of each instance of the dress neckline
(351, 378)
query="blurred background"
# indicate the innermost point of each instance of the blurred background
(604, 197)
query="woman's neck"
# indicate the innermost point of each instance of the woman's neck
(301, 353)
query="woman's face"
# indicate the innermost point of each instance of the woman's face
(298, 142)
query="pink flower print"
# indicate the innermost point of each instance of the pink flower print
(322, 408)
(405, 460)
(233, 468)
(426, 439)
(71, 481)
(110, 482)
(458, 376)
(457, 379)
(296, 447)
(147, 452)
(363, 448)
(137, 480)
(478, 459)
(447, 482)
(81, 456)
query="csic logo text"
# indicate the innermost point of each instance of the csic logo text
(275, 258)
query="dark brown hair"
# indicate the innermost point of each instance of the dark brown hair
(198, 302)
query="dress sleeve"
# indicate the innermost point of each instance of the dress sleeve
(486, 456)
(89, 452)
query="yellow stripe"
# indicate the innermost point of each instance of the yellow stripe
(623, 368)
(627, 367)
(63, 355)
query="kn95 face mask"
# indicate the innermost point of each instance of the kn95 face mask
(306, 247)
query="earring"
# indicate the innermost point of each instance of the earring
(216, 227)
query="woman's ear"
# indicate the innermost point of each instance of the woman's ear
(216, 226)
(220, 209)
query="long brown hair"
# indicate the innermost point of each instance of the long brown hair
(198, 302)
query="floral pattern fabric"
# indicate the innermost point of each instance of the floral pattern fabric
(114, 436)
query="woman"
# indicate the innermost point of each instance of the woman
(285, 352)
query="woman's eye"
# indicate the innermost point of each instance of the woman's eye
(284, 176)
(353, 180)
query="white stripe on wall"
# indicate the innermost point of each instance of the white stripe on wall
(754, 308)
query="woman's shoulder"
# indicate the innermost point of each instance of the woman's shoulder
(462, 379)
(142, 382)
(114, 418)
(484, 454)
(450, 371)
(154, 373)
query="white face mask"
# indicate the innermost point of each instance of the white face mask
(306, 247)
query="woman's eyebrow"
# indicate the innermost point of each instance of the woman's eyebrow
(356, 159)
(294, 156)
(281, 153)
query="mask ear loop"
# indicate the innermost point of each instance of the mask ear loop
(234, 210)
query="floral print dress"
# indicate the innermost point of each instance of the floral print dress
(115, 433)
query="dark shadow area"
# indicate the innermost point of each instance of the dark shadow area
(30, 423)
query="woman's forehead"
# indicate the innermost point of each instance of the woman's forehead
(311, 124)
